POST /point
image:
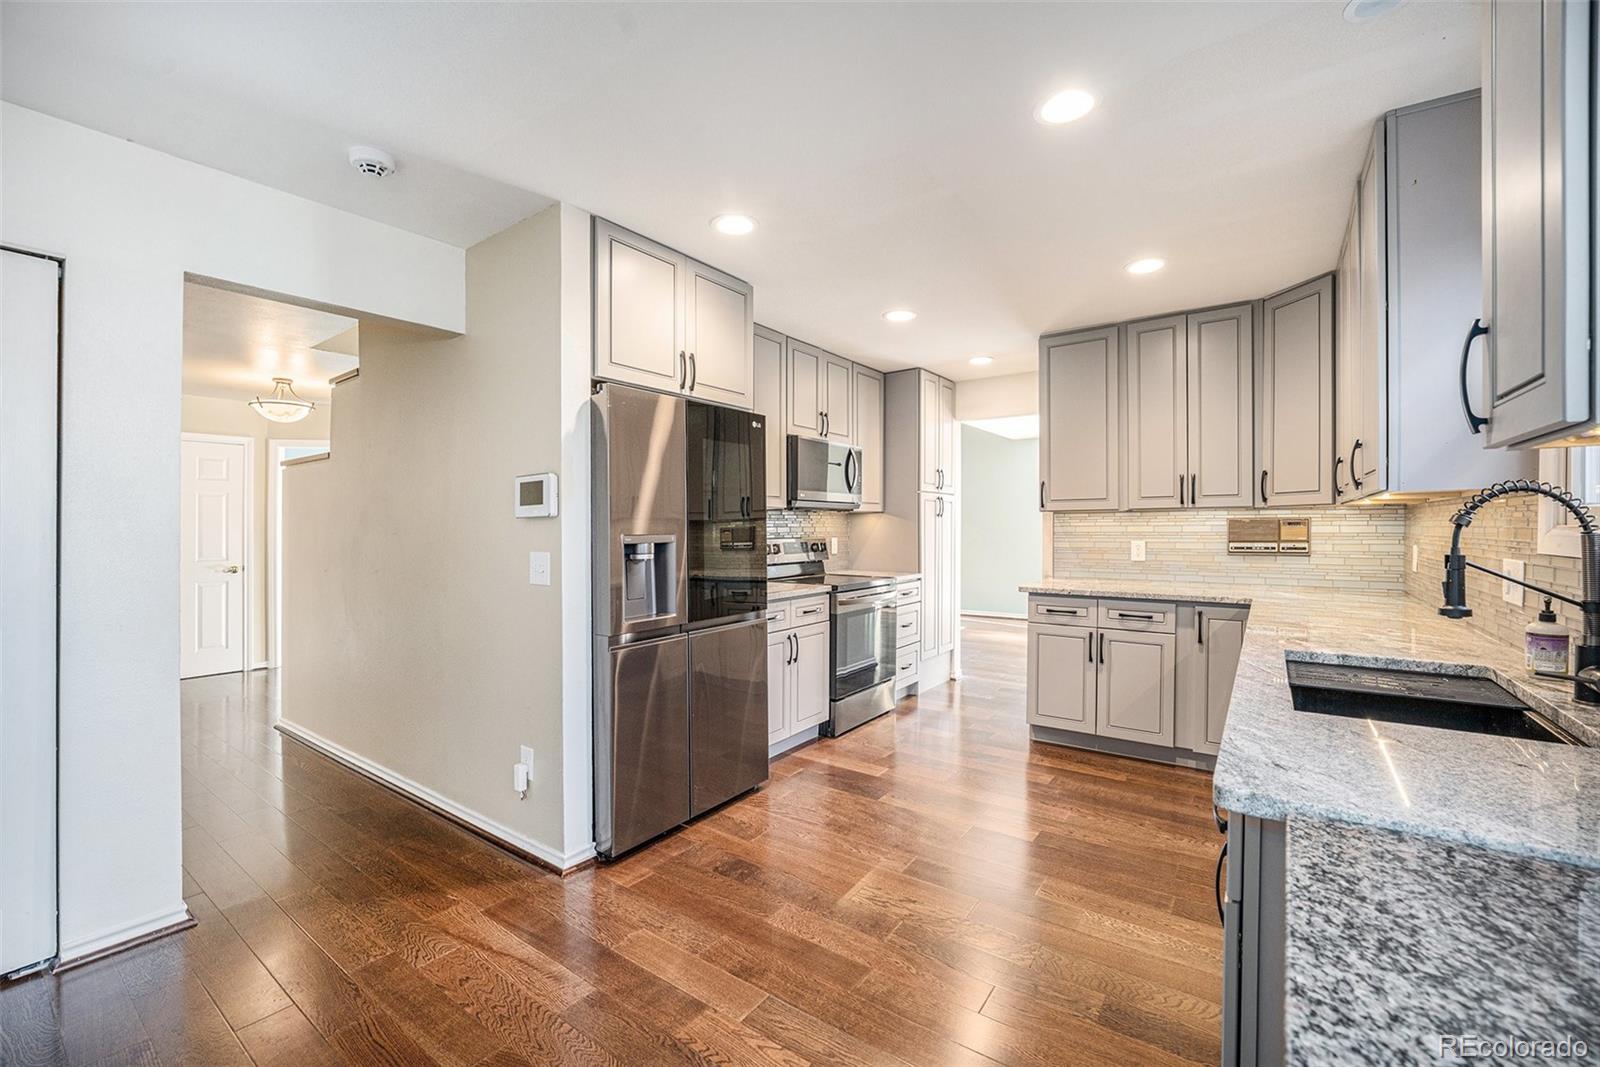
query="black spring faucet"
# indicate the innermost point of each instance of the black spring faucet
(1586, 666)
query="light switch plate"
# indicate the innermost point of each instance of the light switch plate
(833, 546)
(538, 568)
(1136, 551)
(1511, 592)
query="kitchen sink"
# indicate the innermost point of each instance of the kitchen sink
(1442, 701)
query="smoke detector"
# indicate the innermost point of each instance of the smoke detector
(373, 162)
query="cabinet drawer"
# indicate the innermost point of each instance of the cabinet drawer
(909, 592)
(907, 664)
(1143, 615)
(907, 625)
(812, 609)
(1061, 609)
(778, 616)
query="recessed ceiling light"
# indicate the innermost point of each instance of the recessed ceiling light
(1145, 266)
(733, 225)
(1367, 10)
(899, 315)
(1066, 106)
(981, 361)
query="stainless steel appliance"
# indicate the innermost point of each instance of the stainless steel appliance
(680, 632)
(823, 474)
(861, 610)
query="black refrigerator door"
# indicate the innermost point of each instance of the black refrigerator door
(726, 475)
(727, 712)
(642, 746)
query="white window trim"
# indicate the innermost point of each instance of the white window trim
(1557, 537)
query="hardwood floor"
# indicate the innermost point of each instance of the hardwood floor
(928, 890)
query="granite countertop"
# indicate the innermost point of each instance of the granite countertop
(785, 590)
(1525, 797)
(898, 576)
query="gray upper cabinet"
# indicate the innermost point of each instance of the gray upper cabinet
(667, 322)
(1536, 247)
(719, 326)
(1409, 286)
(1221, 416)
(768, 371)
(945, 413)
(867, 424)
(1296, 401)
(1078, 420)
(1158, 413)
(818, 392)
(639, 290)
(936, 433)
(837, 388)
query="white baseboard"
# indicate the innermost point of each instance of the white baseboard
(996, 614)
(779, 748)
(102, 941)
(476, 820)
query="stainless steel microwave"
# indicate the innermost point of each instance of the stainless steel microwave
(823, 474)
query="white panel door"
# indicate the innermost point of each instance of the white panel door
(931, 506)
(811, 677)
(720, 327)
(931, 478)
(211, 571)
(780, 682)
(29, 357)
(868, 430)
(638, 310)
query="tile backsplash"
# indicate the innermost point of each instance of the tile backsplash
(1505, 529)
(811, 524)
(1351, 547)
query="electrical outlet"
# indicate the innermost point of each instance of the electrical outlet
(522, 773)
(1136, 551)
(1415, 551)
(833, 545)
(1511, 592)
(538, 568)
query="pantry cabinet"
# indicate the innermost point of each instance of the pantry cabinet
(1295, 412)
(1538, 192)
(667, 322)
(936, 433)
(867, 423)
(768, 359)
(1079, 420)
(937, 534)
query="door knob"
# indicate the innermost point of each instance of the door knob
(232, 568)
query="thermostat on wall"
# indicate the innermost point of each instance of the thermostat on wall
(536, 496)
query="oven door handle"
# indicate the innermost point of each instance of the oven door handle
(864, 602)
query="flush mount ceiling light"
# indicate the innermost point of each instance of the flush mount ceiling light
(899, 315)
(1367, 10)
(1145, 266)
(283, 405)
(733, 225)
(981, 361)
(1066, 106)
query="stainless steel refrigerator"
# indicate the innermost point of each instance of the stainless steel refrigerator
(680, 596)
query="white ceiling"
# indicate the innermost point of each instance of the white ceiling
(888, 150)
(234, 345)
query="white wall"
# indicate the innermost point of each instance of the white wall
(130, 222)
(995, 398)
(414, 644)
(999, 487)
(213, 414)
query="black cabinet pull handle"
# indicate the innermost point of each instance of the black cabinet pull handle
(1102, 648)
(1180, 491)
(1194, 501)
(1338, 461)
(1041, 496)
(1221, 857)
(1090, 648)
(1475, 422)
(1263, 487)
(1200, 628)
(1354, 480)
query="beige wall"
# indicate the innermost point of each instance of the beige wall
(1505, 529)
(413, 639)
(999, 397)
(209, 414)
(1351, 547)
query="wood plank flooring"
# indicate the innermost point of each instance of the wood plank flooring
(928, 890)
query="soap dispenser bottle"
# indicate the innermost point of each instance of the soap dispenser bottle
(1547, 643)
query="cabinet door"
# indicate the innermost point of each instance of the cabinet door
(803, 397)
(868, 429)
(947, 434)
(1061, 677)
(1297, 395)
(1365, 453)
(838, 379)
(1078, 420)
(947, 618)
(1209, 643)
(1135, 686)
(931, 507)
(1221, 422)
(811, 675)
(1536, 189)
(767, 354)
(719, 324)
(930, 477)
(1347, 338)
(638, 310)
(779, 683)
(1158, 413)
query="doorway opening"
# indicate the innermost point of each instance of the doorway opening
(1000, 472)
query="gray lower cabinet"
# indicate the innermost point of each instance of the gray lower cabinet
(1136, 686)
(1061, 677)
(1538, 93)
(1210, 639)
(1254, 937)
(797, 667)
(1079, 416)
(769, 390)
(1296, 400)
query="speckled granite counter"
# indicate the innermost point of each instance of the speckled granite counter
(784, 590)
(1430, 916)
